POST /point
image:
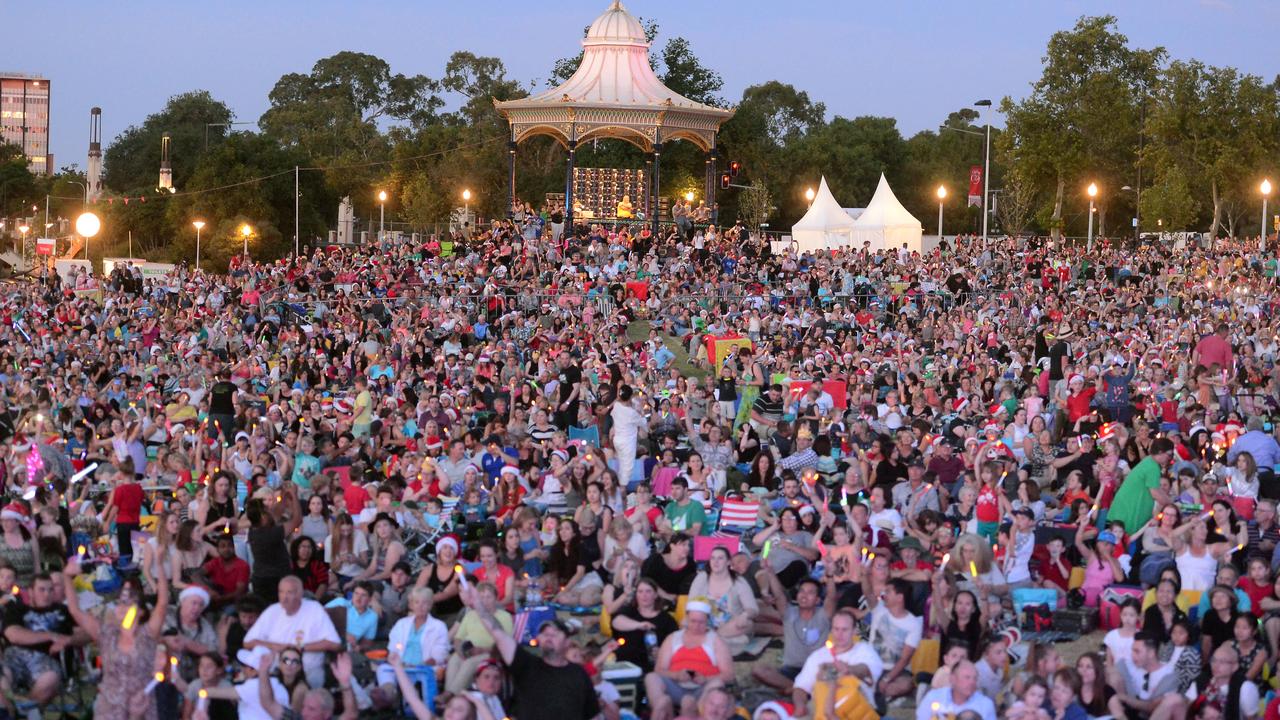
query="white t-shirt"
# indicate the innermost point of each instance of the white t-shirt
(310, 624)
(860, 654)
(1249, 698)
(947, 707)
(626, 422)
(359, 546)
(890, 636)
(888, 520)
(250, 707)
(1121, 647)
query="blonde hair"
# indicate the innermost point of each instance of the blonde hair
(982, 555)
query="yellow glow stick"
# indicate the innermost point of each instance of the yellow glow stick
(129, 617)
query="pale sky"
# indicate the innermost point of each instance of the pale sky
(914, 60)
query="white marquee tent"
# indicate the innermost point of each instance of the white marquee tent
(825, 226)
(886, 224)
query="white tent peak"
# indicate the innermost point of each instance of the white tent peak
(885, 223)
(826, 225)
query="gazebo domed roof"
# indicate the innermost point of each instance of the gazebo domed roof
(614, 93)
(616, 26)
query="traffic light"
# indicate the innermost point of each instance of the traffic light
(724, 181)
(734, 167)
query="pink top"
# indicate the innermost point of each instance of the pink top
(1097, 576)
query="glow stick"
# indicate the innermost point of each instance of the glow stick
(622, 641)
(768, 545)
(203, 702)
(844, 497)
(129, 617)
(151, 686)
(462, 575)
(1232, 550)
(973, 569)
(83, 473)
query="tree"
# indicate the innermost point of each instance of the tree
(686, 74)
(333, 114)
(851, 154)
(1168, 204)
(131, 163)
(1017, 204)
(757, 205)
(17, 184)
(1081, 121)
(1216, 128)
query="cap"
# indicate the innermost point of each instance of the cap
(1107, 536)
(558, 624)
(910, 543)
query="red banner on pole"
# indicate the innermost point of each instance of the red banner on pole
(975, 185)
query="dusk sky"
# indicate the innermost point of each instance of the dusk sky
(912, 60)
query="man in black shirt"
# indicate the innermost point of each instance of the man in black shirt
(548, 686)
(36, 634)
(222, 407)
(570, 392)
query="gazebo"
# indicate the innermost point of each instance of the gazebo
(614, 94)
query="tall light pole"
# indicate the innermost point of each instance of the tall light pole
(986, 169)
(382, 211)
(942, 195)
(24, 229)
(466, 205)
(88, 225)
(1093, 193)
(199, 226)
(245, 232)
(1265, 187)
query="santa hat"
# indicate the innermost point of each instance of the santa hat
(509, 470)
(997, 410)
(15, 511)
(1107, 431)
(21, 443)
(784, 710)
(959, 404)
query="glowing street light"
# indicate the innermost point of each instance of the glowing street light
(688, 196)
(1093, 193)
(466, 204)
(199, 225)
(24, 229)
(87, 226)
(1265, 188)
(245, 232)
(942, 195)
(382, 210)
(809, 194)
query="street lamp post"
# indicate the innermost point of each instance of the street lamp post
(245, 232)
(809, 194)
(88, 225)
(1266, 192)
(986, 170)
(942, 195)
(466, 206)
(199, 226)
(1093, 193)
(382, 211)
(24, 229)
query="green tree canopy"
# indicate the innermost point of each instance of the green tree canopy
(131, 164)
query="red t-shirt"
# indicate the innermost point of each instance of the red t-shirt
(503, 574)
(988, 507)
(1078, 405)
(128, 499)
(355, 496)
(226, 577)
(1256, 593)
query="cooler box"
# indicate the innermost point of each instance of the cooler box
(629, 680)
(1075, 622)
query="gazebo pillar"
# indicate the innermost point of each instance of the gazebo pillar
(511, 178)
(657, 187)
(568, 188)
(713, 157)
(648, 187)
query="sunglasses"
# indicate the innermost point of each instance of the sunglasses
(290, 661)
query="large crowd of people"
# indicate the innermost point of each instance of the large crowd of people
(530, 473)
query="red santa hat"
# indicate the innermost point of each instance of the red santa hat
(959, 404)
(784, 710)
(15, 511)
